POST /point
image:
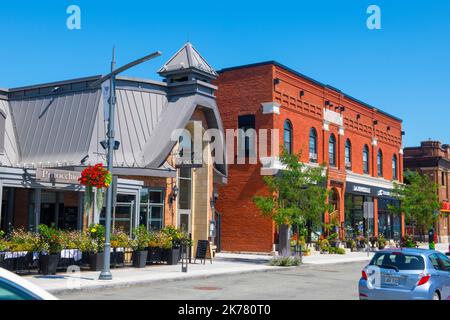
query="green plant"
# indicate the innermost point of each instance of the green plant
(141, 240)
(51, 238)
(2, 234)
(324, 245)
(407, 241)
(4, 245)
(333, 237)
(119, 239)
(381, 242)
(285, 262)
(21, 240)
(97, 234)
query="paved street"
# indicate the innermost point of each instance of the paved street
(312, 282)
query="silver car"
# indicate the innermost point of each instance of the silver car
(406, 274)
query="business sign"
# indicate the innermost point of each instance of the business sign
(369, 190)
(57, 176)
(333, 117)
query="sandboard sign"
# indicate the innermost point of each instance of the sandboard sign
(203, 251)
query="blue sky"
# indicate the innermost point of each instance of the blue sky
(403, 69)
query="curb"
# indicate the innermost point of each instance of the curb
(143, 283)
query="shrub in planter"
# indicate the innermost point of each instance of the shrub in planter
(21, 246)
(373, 241)
(51, 249)
(381, 242)
(96, 234)
(119, 241)
(334, 241)
(139, 245)
(324, 246)
(408, 242)
(72, 242)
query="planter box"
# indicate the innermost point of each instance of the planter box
(48, 263)
(172, 256)
(140, 259)
(155, 255)
(117, 258)
(18, 262)
(96, 261)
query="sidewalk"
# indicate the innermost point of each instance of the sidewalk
(223, 264)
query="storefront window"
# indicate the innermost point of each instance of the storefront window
(389, 223)
(355, 224)
(122, 213)
(151, 212)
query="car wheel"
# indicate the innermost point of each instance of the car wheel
(436, 296)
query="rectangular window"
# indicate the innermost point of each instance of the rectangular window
(246, 143)
(152, 208)
(443, 178)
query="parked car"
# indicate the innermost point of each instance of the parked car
(406, 274)
(448, 252)
(13, 287)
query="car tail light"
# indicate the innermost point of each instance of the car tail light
(363, 295)
(423, 280)
(364, 275)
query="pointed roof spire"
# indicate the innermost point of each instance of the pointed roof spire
(187, 58)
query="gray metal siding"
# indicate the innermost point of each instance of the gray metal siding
(55, 128)
(10, 155)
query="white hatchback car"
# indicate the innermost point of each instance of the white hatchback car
(13, 287)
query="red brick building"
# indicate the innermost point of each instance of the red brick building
(361, 145)
(433, 158)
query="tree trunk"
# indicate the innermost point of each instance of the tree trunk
(285, 243)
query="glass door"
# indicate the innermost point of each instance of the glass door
(185, 199)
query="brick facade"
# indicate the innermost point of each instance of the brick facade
(301, 100)
(433, 158)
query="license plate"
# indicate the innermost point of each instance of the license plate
(394, 281)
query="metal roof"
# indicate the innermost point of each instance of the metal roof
(187, 58)
(275, 63)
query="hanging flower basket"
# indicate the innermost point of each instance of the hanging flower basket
(95, 176)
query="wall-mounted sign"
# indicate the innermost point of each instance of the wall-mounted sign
(57, 176)
(369, 190)
(333, 117)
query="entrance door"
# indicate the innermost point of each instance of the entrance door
(217, 239)
(123, 217)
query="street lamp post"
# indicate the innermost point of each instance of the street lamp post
(111, 143)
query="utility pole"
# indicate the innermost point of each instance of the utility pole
(111, 146)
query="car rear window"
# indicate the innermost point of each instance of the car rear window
(400, 261)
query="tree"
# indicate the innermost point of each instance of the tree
(419, 199)
(297, 194)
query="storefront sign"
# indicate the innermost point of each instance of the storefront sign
(368, 190)
(57, 176)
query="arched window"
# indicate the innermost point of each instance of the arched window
(288, 136)
(313, 145)
(348, 155)
(332, 150)
(366, 159)
(394, 168)
(380, 163)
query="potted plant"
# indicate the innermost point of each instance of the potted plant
(373, 241)
(324, 246)
(381, 242)
(50, 250)
(333, 240)
(407, 241)
(21, 248)
(139, 245)
(119, 242)
(96, 233)
(171, 244)
(155, 251)
(361, 242)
